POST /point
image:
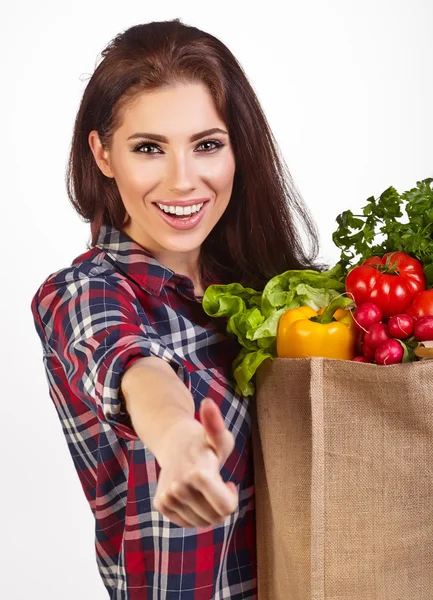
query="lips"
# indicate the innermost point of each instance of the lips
(183, 224)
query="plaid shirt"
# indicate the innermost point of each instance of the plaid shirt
(115, 304)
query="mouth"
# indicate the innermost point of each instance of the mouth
(183, 221)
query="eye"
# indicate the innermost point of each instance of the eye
(139, 147)
(215, 142)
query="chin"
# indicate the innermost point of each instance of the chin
(186, 245)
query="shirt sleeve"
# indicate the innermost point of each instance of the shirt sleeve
(96, 328)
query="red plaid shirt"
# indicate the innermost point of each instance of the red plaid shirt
(115, 304)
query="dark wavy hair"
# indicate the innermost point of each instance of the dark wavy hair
(257, 236)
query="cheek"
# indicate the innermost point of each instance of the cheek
(223, 173)
(135, 176)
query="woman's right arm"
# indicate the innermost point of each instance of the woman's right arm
(191, 491)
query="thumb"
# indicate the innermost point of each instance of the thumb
(219, 437)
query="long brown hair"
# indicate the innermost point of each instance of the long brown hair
(257, 237)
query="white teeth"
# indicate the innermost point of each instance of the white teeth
(181, 210)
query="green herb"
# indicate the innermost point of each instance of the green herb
(391, 223)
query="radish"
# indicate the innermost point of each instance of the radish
(368, 352)
(377, 333)
(423, 329)
(389, 352)
(400, 326)
(366, 315)
(361, 359)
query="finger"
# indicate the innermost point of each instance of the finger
(185, 512)
(222, 497)
(160, 506)
(219, 437)
(191, 497)
(176, 519)
(211, 417)
(232, 487)
(223, 445)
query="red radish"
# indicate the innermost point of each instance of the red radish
(368, 352)
(389, 353)
(366, 315)
(400, 326)
(362, 359)
(423, 329)
(377, 333)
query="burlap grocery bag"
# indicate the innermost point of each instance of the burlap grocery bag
(343, 457)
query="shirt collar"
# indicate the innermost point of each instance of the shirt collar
(138, 263)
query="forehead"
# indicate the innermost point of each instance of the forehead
(174, 111)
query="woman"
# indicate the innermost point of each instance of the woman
(175, 167)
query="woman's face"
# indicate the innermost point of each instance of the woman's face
(186, 167)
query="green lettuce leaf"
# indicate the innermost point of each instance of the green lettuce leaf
(253, 316)
(244, 368)
(281, 291)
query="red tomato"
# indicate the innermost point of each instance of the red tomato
(391, 282)
(422, 305)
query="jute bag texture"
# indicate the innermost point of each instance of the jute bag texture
(343, 458)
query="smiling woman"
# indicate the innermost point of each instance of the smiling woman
(174, 193)
(183, 121)
(175, 168)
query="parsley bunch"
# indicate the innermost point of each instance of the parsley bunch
(391, 223)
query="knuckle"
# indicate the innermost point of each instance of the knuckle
(170, 499)
(198, 477)
(175, 488)
(179, 490)
(158, 502)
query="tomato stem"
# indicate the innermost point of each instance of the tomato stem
(390, 267)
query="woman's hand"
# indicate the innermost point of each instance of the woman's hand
(191, 491)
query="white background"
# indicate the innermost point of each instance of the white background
(347, 89)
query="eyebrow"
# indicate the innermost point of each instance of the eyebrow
(164, 140)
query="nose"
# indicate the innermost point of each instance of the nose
(181, 174)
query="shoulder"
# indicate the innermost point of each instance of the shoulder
(90, 266)
(89, 276)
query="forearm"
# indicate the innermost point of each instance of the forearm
(156, 400)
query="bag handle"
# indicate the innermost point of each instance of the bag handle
(424, 350)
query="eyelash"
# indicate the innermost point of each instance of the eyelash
(140, 145)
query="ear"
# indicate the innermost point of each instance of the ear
(101, 156)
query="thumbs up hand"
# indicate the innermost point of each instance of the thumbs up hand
(191, 491)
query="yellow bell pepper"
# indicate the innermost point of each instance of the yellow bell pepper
(332, 334)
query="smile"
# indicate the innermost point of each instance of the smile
(182, 218)
(181, 210)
